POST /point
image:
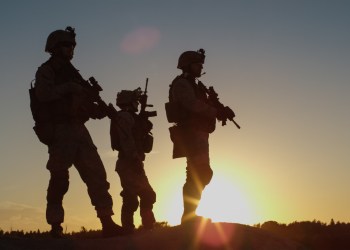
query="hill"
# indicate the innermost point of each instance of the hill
(204, 236)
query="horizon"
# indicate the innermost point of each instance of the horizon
(283, 67)
(164, 224)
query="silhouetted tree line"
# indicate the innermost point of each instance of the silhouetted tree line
(313, 234)
(82, 234)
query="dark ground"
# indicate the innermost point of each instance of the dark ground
(226, 236)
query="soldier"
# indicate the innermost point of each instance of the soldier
(195, 119)
(130, 135)
(61, 106)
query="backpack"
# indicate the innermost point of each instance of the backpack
(40, 111)
(44, 127)
(147, 138)
(114, 134)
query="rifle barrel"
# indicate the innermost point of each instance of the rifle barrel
(146, 85)
(236, 124)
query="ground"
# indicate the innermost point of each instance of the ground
(226, 236)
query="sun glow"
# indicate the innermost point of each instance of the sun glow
(222, 201)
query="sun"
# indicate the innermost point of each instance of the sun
(223, 201)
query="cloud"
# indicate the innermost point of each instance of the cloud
(140, 40)
(18, 216)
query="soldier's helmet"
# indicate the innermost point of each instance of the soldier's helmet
(60, 36)
(127, 97)
(189, 57)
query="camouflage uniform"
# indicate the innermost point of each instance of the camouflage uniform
(199, 121)
(57, 84)
(128, 127)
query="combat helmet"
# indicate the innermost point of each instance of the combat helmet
(60, 36)
(189, 57)
(127, 97)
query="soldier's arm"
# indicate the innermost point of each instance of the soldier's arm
(127, 142)
(47, 90)
(97, 111)
(184, 94)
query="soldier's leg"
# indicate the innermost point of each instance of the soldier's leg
(130, 205)
(58, 187)
(129, 184)
(198, 175)
(92, 172)
(147, 199)
(60, 159)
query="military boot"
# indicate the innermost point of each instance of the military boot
(148, 219)
(110, 228)
(127, 219)
(56, 231)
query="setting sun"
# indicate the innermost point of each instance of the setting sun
(222, 201)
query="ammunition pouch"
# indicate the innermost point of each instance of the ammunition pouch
(45, 132)
(147, 143)
(174, 113)
(177, 136)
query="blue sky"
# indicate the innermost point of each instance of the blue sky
(283, 66)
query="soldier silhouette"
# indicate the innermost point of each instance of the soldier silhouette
(61, 105)
(195, 119)
(194, 109)
(130, 135)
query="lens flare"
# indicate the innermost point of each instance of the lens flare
(140, 40)
(223, 201)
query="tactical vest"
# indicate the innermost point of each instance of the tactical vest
(65, 109)
(177, 114)
(141, 132)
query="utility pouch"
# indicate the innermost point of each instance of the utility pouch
(45, 132)
(177, 136)
(174, 113)
(148, 143)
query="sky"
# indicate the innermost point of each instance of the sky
(282, 66)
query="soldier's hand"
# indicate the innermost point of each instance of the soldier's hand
(229, 113)
(74, 88)
(221, 115)
(94, 95)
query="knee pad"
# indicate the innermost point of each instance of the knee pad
(59, 182)
(148, 199)
(152, 197)
(206, 176)
(130, 201)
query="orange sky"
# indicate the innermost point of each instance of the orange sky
(282, 66)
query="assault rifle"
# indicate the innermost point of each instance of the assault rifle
(143, 102)
(94, 89)
(224, 113)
